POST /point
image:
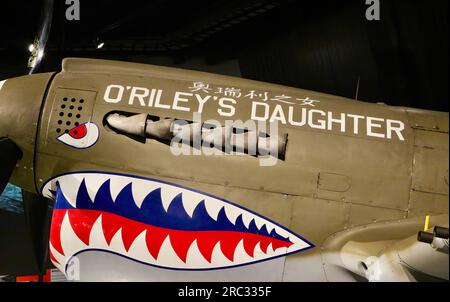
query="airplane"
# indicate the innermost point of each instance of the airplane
(164, 174)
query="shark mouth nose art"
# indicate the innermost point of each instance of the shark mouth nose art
(159, 224)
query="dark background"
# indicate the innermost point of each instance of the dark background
(320, 45)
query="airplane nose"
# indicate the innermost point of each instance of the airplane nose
(20, 104)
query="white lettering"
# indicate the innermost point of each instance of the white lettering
(400, 126)
(202, 101)
(340, 121)
(356, 119)
(158, 101)
(302, 120)
(178, 99)
(266, 111)
(278, 115)
(107, 97)
(231, 108)
(140, 96)
(151, 99)
(320, 123)
(371, 125)
(260, 111)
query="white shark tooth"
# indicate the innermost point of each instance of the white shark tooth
(232, 213)
(168, 193)
(168, 257)
(60, 258)
(49, 186)
(116, 244)
(70, 242)
(94, 181)
(116, 185)
(141, 188)
(55, 253)
(285, 234)
(190, 201)
(218, 258)
(138, 249)
(270, 249)
(195, 258)
(69, 185)
(258, 254)
(213, 207)
(247, 218)
(270, 227)
(282, 232)
(97, 237)
(259, 222)
(280, 251)
(240, 254)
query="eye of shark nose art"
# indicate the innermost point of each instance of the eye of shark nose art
(78, 132)
(81, 137)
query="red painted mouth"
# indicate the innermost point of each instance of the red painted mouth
(82, 222)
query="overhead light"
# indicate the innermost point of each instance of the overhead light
(100, 45)
(31, 48)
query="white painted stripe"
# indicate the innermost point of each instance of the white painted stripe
(1, 84)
